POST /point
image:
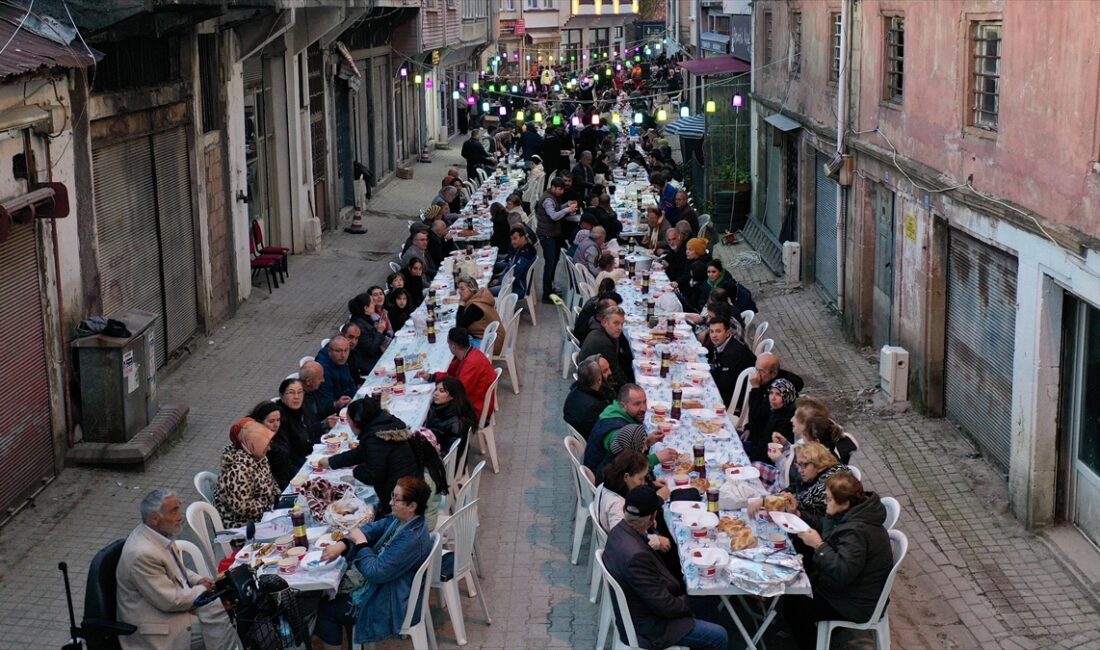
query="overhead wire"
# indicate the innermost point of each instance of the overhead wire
(18, 27)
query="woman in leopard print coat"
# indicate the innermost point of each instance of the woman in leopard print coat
(246, 488)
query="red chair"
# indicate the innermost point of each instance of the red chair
(269, 264)
(282, 253)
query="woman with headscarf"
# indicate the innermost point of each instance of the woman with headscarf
(781, 399)
(476, 310)
(246, 488)
(291, 445)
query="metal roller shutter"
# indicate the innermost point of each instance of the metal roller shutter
(26, 438)
(126, 229)
(177, 238)
(981, 340)
(825, 259)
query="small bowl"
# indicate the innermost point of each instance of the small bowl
(288, 566)
(283, 543)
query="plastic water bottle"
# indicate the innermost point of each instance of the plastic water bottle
(286, 634)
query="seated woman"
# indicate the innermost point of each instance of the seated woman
(815, 465)
(499, 237)
(851, 560)
(606, 264)
(387, 553)
(628, 470)
(290, 446)
(384, 454)
(415, 281)
(451, 416)
(372, 339)
(398, 307)
(476, 309)
(376, 311)
(246, 488)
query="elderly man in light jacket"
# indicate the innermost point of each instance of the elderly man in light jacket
(157, 592)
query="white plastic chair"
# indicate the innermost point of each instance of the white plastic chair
(571, 290)
(486, 436)
(598, 543)
(204, 485)
(304, 360)
(508, 350)
(293, 375)
(855, 472)
(395, 267)
(893, 512)
(767, 345)
(568, 341)
(324, 342)
(747, 317)
(507, 307)
(482, 175)
(741, 392)
(422, 632)
(586, 291)
(758, 335)
(460, 529)
(585, 492)
(194, 553)
(583, 274)
(197, 515)
(450, 468)
(507, 282)
(488, 342)
(532, 298)
(849, 436)
(573, 433)
(611, 589)
(880, 618)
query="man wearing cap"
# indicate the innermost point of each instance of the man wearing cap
(627, 411)
(658, 603)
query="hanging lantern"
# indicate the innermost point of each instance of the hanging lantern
(471, 100)
(637, 118)
(711, 106)
(538, 117)
(515, 56)
(737, 101)
(428, 83)
(475, 87)
(503, 111)
(662, 115)
(607, 72)
(637, 58)
(619, 67)
(417, 79)
(530, 89)
(557, 88)
(484, 107)
(492, 88)
(519, 116)
(576, 121)
(404, 72)
(528, 57)
(557, 120)
(615, 118)
(462, 85)
(515, 89)
(454, 94)
(596, 120)
(685, 111)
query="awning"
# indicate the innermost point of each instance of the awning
(458, 54)
(593, 21)
(27, 51)
(782, 122)
(543, 34)
(693, 127)
(716, 65)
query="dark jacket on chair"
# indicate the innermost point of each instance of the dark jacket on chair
(617, 352)
(657, 603)
(759, 414)
(290, 446)
(583, 407)
(382, 457)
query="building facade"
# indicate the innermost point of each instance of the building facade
(955, 214)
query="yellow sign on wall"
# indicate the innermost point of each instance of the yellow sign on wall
(911, 227)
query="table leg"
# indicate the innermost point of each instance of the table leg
(769, 615)
(750, 642)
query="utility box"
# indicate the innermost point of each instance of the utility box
(893, 371)
(792, 262)
(118, 389)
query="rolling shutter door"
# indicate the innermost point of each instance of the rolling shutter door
(825, 259)
(26, 438)
(126, 227)
(177, 239)
(981, 339)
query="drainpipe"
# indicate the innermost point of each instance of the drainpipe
(841, 127)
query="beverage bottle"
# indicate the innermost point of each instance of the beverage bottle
(666, 363)
(712, 498)
(699, 452)
(677, 403)
(399, 363)
(630, 268)
(298, 519)
(431, 327)
(650, 318)
(645, 283)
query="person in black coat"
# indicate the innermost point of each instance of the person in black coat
(659, 607)
(398, 307)
(728, 357)
(474, 153)
(607, 340)
(451, 416)
(850, 562)
(384, 453)
(756, 433)
(371, 342)
(586, 320)
(291, 445)
(318, 412)
(586, 398)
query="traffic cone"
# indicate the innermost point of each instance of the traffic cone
(425, 157)
(357, 227)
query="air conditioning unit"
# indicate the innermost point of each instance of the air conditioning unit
(893, 373)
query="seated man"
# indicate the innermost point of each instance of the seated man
(418, 248)
(675, 258)
(157, 593)
(338, 381)
(628, 409)
(520, 258)
(586, 320)
(727, 356)
(586, 398)
(440, 242)
(756, 430)
(590, 246)
(686, 212)
(606, 339)
(319, 413)
(470, 366)
(658, 605)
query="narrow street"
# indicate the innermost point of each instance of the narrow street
(973, 577)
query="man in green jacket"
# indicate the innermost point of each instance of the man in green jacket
(628, 409)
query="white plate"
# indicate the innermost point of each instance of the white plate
(789, 522)
(685, 507)
(708, 557)
(702, 519)
(743, 473)
(312, 562)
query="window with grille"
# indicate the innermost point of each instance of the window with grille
(834, 47)
(895, 58)
(769, 40)
(796, 43)
(986, 92)
(210, 82)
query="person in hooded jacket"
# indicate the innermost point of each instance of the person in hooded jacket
(850, 562)
(383, 455)
(476, 310)
(586, 398)
(451, 416)
(372, 338)
(291, 445)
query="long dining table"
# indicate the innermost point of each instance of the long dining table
(767, 570)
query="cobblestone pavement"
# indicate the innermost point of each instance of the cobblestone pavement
(973, 578)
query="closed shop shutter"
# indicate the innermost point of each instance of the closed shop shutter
(126, 230)
(26, 438)
(981, 340)
(177, 237)
(825, 257)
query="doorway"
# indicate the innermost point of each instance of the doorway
(1081, 414)
(882, 204)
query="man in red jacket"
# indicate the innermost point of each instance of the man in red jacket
(470, 366)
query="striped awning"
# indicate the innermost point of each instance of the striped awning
(687, 127)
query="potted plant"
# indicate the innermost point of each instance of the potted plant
(734, 177)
